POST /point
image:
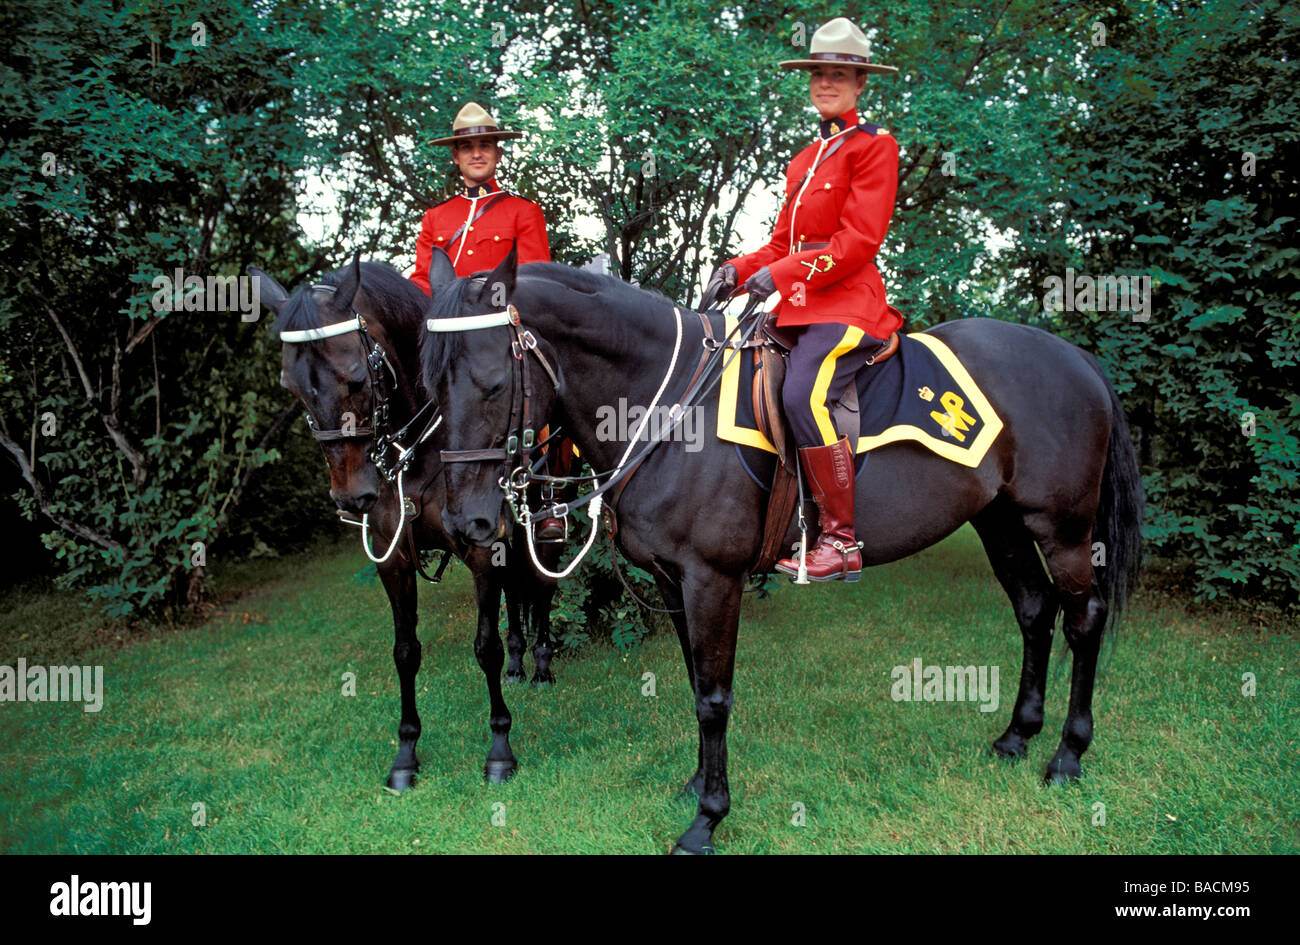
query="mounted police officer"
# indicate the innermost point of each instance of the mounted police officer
(477, 226)
(821, 258)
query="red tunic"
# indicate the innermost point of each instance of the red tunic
(848, 204)
(484, 243)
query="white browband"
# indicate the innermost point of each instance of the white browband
(328, 331)
(471, 322)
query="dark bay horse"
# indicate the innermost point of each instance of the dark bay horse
(1061, 476)
(360, 387)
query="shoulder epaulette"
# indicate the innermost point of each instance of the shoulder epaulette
(871, 129)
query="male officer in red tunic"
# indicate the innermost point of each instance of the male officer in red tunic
(839, 200)
(477, 226)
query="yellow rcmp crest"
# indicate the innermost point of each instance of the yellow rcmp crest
(813, 266)
(925, 394)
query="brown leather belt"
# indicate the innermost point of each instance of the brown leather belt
(800, 247)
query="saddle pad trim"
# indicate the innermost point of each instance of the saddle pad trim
(970, 456)
(729, 389)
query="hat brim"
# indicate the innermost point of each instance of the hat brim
(807, 64)
(494, 135)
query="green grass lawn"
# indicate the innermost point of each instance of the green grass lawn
(245, 715)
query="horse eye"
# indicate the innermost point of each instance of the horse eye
(355, 385)
(493, 391)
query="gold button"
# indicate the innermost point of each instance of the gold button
(471, 229)
(440, 239)
(496, 239)
(798, 203)
(469, 252)
(802, 237)
(828, 186)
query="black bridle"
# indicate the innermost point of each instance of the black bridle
(513, 457)
(521, 435)
(377, 361)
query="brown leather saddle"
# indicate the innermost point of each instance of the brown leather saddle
(771, 361)
(769, 346)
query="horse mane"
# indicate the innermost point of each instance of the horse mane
(396, 301)
(437, 351)
(590, 283)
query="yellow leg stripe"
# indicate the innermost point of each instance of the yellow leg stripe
(817, 400)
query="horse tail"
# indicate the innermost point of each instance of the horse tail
(1120, 513)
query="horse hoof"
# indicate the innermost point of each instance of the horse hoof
(1010, 747)
(499, 772)
(679, 850)
(514, 679)
(401, 780)
(543, 682)
(1062, 771)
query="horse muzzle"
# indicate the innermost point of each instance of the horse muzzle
(356, 503)
(479, 531)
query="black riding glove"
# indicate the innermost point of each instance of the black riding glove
(722, 285)
(760, 283)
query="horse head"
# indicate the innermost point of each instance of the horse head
(478, 361)
(340, 359)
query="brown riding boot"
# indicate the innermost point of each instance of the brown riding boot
(836, 556)
(549, 530)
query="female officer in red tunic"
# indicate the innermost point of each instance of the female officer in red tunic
(839, 199)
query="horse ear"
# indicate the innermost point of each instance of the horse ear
(269, 292)
(356, 275)
(500, 283)
(440, 270)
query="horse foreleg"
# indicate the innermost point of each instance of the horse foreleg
(398, 577)
(712, 618)
(672, 595)
(501, 762)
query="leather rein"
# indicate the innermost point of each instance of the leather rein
(521, 436)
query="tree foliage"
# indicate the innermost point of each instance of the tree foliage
(1184, 169)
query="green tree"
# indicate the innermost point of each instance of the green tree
(138, 141)
(1183, 170)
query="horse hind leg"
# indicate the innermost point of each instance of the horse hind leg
(1085, 620)
(538, 606)
(516, 614)
(1016, 564)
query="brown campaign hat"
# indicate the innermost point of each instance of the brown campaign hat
(473, 122)
(839, 42)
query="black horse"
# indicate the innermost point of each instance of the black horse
(1061, 476)
(360, 384)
